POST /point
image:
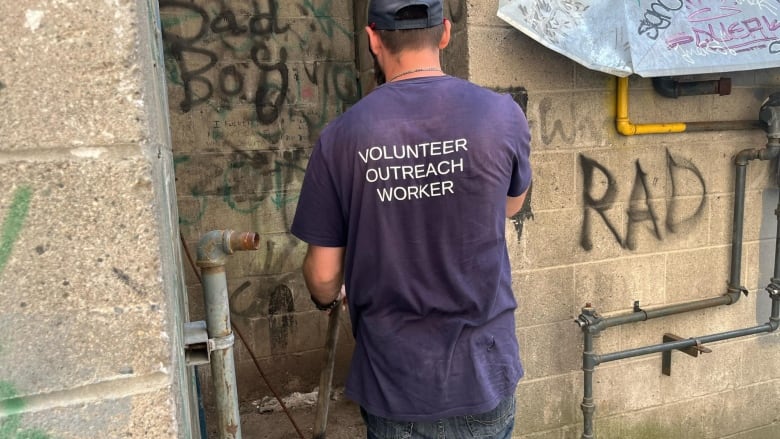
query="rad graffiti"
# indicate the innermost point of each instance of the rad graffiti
(640, 211)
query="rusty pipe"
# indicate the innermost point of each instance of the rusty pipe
(212, 252)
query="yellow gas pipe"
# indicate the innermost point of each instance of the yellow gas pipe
(626, 128)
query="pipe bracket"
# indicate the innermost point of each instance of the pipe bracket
(221, 343)
(693, 351)
(773, 288)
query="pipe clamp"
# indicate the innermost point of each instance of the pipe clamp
(221, 343)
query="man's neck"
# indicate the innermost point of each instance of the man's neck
(413, 64)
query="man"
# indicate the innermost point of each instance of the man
(404, 201)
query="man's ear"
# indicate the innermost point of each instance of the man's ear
(374, 42)
(445, 36)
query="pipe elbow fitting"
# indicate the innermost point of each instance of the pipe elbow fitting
(216, 245)
(624, 126)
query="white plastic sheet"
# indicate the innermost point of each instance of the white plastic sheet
(654, 37)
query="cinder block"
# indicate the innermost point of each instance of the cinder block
(555, 238)
(147, 414)
(551, 350)
(616, 284)
(627, 386)
(559, 406)
(696, 274)
(707, 374)
(554, 177)
(544, 296)
(570, 119)
(491, 50)
(56, 46)
(588, 79)
(756, 356)
(92, 346)
(769, 431)
(760, 265)
(481, 13)
(755, 218)
(735, 418)
(104, 234)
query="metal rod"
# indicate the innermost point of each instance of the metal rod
(326, 376)
(724, 125)
(628, 353)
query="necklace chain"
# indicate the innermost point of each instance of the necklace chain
(409, 72)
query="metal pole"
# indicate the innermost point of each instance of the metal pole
(326, 376)
(588, 366)
(213, 249)
(222, 362)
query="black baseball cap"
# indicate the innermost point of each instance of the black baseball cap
(383, 14)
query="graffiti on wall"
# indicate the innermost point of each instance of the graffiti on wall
(227, 56)
(640, 212)
(11, 405)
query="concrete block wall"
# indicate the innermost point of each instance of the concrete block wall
(664, 238)
(91, 295)
(250, 85)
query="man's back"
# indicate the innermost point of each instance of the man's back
(413, 182)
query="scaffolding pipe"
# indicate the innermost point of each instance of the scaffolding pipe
(213, 249)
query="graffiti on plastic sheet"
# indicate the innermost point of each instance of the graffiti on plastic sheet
(641, 214)
(224, 58)
(554, 19)
(725, 27)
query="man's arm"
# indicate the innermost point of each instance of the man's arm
(323, 271)
(514, 204)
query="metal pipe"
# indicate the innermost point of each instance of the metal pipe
(681, 344)
(671, 88)
(625, 127)
(592, 323)
(642, 315)
(588, 367)
(213, 249)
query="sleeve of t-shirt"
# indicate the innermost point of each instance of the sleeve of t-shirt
(318, 218)
(521, 149)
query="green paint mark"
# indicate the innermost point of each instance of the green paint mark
(12, 225)
(10, 420)
(326, 22)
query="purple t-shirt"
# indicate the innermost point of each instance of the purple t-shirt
(413, 181)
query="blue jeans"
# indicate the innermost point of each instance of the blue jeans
(495, 424)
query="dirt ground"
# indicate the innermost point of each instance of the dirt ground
(344, 422)
(266, 420)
